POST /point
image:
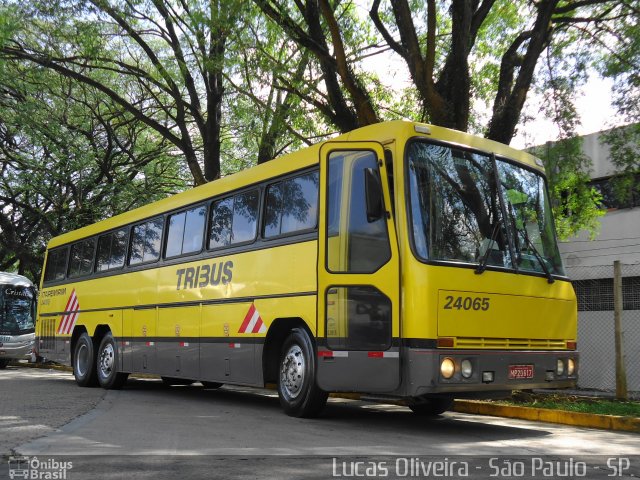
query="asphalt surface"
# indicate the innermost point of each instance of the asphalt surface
(154, 432)
(35, 402)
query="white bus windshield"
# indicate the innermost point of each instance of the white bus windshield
(459, 214)
(17, 308)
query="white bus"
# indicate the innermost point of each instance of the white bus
(17, 318)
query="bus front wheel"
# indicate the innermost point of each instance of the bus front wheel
(84, 362)
(297, 389)
(107, 365)
(3, 363)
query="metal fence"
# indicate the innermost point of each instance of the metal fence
(596, 340)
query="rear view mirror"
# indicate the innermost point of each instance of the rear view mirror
(373, 194)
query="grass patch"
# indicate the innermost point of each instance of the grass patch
(599, 406)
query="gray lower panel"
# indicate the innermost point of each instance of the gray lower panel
(358, 371)
(178, 359)
(230, 362)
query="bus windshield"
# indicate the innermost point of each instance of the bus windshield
(17, 308)
(471, 207)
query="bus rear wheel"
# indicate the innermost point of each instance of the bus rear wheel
(107, 365)
(297, 389)
(3, 363)
(84, 362)
(432, 406)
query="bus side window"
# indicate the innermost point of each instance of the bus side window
(81, 262)
(145, 241)
(111, 250)
(234, 220)
(56, 265)
(186, 231)
(291, 205)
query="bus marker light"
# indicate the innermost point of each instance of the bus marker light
(184, 344)
(445, 342)
(571, 345)
(234, 345)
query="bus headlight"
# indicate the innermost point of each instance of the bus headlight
(560, 367)
(466, 368)
(571, 366)
(447, 368)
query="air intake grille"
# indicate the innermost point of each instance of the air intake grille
(510, 343)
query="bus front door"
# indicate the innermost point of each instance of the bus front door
(358, 272)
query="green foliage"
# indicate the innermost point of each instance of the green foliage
(68, 159)
(576, 205)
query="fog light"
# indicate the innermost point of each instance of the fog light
(466, 368)
(549, 376)
(447, 368)
(487, 377)
(560, 367)
(571, 366)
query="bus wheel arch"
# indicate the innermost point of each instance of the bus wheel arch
(298, 389)
(278, 332)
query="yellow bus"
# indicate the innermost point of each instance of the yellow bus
(401, 260)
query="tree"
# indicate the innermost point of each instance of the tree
(68, 159)
(170, 55)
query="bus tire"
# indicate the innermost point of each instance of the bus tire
(84, 362)
(297, 388)
(107, 364)
(3, 363)
(432, 407)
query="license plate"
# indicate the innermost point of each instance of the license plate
(517, 372)
(5, 339)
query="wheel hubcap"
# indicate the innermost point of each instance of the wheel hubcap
(107, 357)
(292, 371)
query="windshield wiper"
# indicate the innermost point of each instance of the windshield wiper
(536, 253)
(482, 264)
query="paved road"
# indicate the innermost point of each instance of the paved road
(188, 432)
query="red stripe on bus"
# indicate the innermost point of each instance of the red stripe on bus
(325, 353)
(375, 354)
(247, 318)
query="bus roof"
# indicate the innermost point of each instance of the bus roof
(7, 278)
(398, 130)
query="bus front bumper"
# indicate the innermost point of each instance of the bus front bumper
(487, 371)
(17, 347)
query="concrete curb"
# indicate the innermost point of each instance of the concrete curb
(576, 419)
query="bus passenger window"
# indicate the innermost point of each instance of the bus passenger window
(234, 220)
(292, 205)
(145, 242)
(186, 231)
(81, 262)
(221, 218)
(111, 250)
(245, 217)
(56, 265)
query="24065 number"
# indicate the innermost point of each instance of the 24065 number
(466, 303)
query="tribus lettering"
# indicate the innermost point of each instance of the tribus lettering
(204, 275)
